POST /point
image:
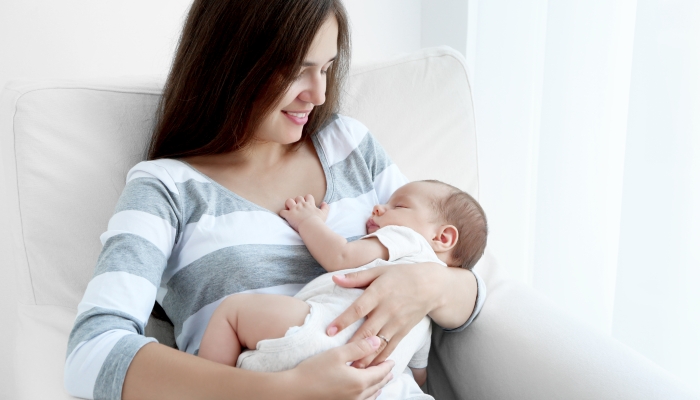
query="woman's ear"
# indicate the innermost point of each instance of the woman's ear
(445, 238)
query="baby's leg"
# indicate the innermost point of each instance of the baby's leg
(242, 320)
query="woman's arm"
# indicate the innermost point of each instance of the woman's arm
(159, 372)
(397, 297)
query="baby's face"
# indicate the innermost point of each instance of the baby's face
(409, 206)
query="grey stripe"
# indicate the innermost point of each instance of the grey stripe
(203, 198)
(232, 270)
(97, 321)
(110, 379)
(351, 177)
(355, 175)
(131, 253)
(151, 196)
(374, 155)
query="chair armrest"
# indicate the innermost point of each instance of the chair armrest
(523, 346)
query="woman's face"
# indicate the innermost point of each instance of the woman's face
(284, 124)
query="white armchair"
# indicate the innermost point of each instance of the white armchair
(65, 148)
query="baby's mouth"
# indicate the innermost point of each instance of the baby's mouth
(371, 225)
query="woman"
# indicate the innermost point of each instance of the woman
(247, 121)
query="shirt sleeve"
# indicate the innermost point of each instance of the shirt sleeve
(386, 176)
(478, 304)
(420, 358)
(113, 313)
(399, 240)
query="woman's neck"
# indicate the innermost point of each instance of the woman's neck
(260, 157)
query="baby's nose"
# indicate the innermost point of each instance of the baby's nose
(378, 210)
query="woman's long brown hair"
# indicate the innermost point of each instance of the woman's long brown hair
(234, 62)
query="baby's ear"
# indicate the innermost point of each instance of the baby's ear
(446, 238)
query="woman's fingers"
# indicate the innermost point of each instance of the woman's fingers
(359, 349)
(358, 279)
(385, 352)
(375, 390)
(327, 375)
(359, 309)
(390, 330)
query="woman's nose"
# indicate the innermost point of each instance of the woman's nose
(315, 92)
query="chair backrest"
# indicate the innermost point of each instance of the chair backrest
(65, 148)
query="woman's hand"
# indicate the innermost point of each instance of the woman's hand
(397, 297)
(328, 375)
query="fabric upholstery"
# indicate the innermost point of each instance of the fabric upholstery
(65, 148)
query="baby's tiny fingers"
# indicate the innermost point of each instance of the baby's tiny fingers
(310, 199)
(290, 203)
(300, 200)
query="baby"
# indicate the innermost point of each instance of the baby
(425, 221)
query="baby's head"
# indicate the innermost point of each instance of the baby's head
(449, 219)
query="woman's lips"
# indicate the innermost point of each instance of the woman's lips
(296, 117)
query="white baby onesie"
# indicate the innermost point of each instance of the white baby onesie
(328, 300)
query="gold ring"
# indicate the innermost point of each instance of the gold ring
(383, 338)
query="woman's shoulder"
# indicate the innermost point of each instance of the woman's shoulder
(342, 129)
(343, 135)
(169, 172)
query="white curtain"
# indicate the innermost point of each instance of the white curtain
(588, 120)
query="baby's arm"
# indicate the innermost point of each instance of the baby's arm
(331, 250)
(242, 320)
(420, 375)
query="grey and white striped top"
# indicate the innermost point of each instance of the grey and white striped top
(184, 240)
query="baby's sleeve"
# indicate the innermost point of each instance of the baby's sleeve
(112, 315)
(400, 241)
(420, 358)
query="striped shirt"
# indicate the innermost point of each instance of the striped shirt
(179, 238)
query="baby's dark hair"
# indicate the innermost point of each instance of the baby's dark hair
(460, 209)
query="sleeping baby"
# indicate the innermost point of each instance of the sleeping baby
(424, 221)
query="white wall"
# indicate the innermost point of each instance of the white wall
(77, 38)
(382, 29)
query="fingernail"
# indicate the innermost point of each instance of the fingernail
(332, 330)
(374, 341)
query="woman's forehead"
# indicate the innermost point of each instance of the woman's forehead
(324, 47)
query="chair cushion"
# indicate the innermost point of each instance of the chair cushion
(66, 148)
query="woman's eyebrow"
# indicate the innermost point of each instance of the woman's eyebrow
(313, 64)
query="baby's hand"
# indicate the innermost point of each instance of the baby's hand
(303, 208)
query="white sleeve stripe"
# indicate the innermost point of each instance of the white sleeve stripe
(84, 363)
(148, 226)
(339, 143)
(121, 291)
